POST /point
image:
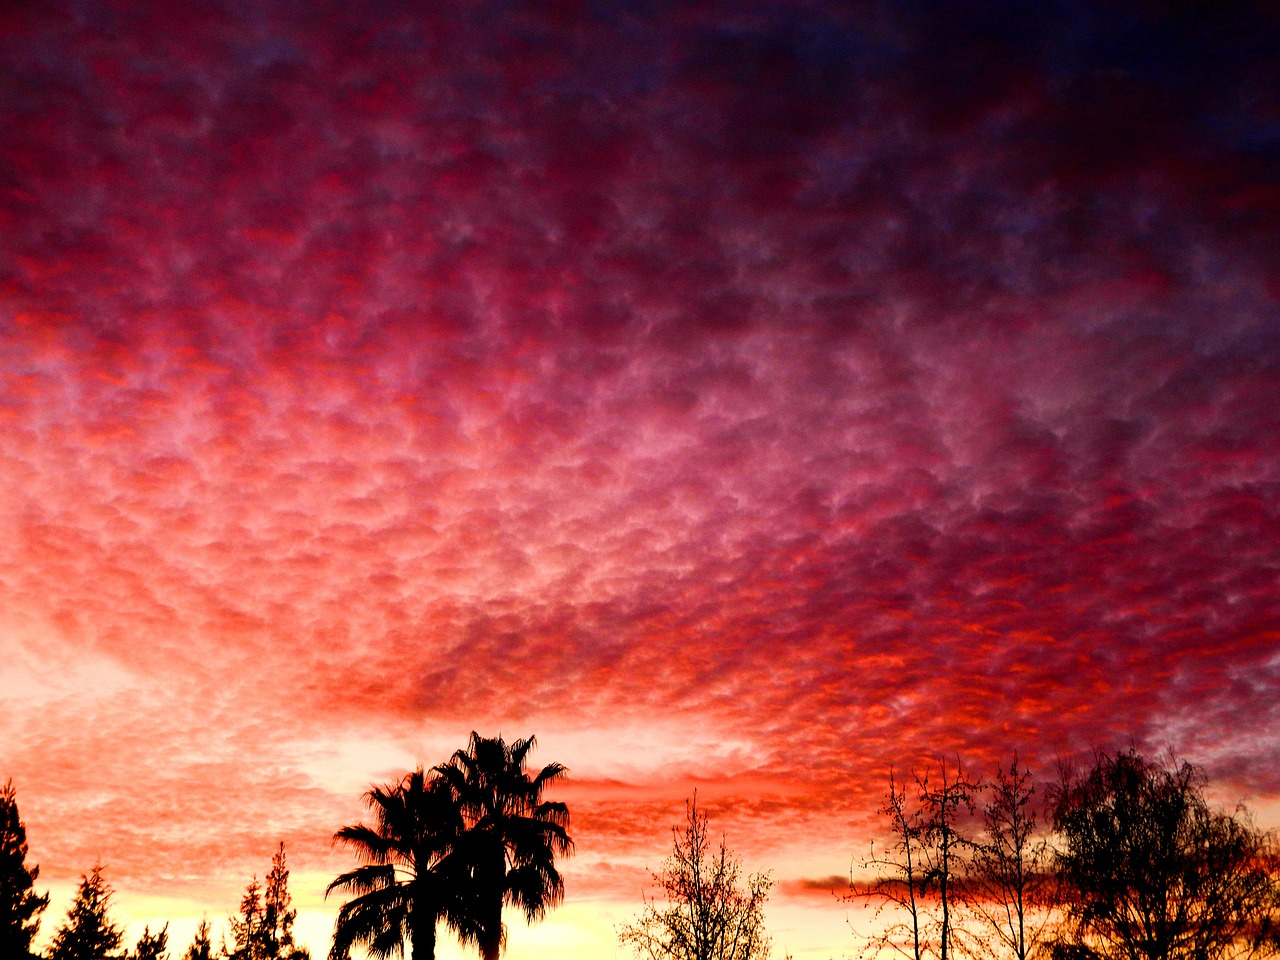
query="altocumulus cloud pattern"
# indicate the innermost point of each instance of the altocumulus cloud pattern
(747, 394)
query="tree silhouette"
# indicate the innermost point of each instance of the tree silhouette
(201, 944)
(247, 926)
(947, 799)
(1153, 873)
(87, 934)
(152, 946)
(410, 878)
(510, 834)
(1008, 886)
(915, 876)
(277, 914)
(708, 914)
(263, 930)
(20, 905)
(899, 876)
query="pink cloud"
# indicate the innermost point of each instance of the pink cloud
(366, 377)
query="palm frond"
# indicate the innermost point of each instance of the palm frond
(409, 878)
(534, 887)
(378, 920)
(363, 880)
(371, 845)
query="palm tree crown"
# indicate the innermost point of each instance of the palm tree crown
(410, 877)
(510, 834)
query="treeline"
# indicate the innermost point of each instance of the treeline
(447, 846)
(1125, 860)
(262, 930)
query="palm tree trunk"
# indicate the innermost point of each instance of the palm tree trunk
(493, 890)
(490, 939)
(422, 938)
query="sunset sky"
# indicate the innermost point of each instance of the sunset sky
(738, 396)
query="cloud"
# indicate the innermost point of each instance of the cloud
(746, 400)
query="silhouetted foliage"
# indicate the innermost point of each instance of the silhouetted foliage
(20, 905)
(246, 927)
(946, 800)
(263, 930)
(898, 880)
(915, 876)
(411, 876)
(708, 914)
(278, 915)
(1152, 873)
(87, 934)
(201, 943)
(510, 835)
(152, 946)
(1008, 886)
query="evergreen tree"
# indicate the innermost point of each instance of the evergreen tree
(20, 906)
(201, 944)
(152, 946)
(264, 928)
(247, 928)
(87, 934)
(278, 917)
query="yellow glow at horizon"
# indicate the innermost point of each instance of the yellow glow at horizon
(583, 930)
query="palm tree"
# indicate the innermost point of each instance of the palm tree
(410, 878)
(510, 834)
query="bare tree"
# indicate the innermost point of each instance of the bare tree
(898, 877)
(1008, 885)
(708, 914)
(914, 879)
(946, 802)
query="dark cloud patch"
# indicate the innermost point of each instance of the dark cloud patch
(822, 887)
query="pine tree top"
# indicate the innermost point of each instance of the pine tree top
(87, 933)
(20, 905)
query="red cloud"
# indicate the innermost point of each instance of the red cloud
(749, 384)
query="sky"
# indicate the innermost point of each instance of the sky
(740, 397)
